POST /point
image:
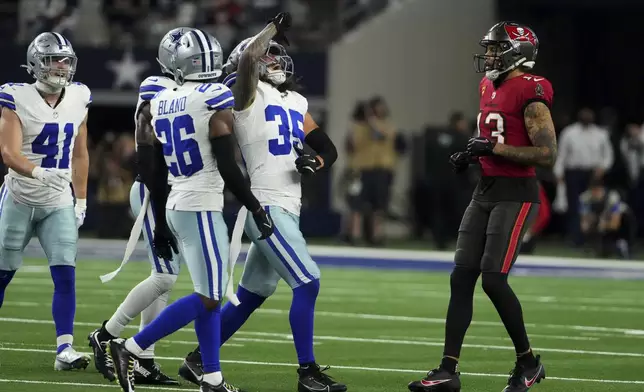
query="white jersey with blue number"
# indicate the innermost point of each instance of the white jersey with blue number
(266, 133)
(150, 87)
(48, 136)
(180, 117)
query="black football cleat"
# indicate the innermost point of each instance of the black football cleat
(313, 379)
(523, 378)
(147, 372)
(437, 380)
(223, 387)
(102, 360)
(124, 363)
(191, 369)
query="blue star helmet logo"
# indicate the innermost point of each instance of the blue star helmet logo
(176, 36)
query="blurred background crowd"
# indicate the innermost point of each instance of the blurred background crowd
(393, 184)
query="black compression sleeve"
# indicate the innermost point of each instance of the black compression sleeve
(154, 174)
(223, 148)
(320, 142)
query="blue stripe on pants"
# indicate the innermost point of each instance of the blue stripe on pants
(270, 243)
(291, 252)
(206, 254)
(3, 196)
(148, 231)
(217, 255)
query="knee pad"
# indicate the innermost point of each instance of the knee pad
(163, 282)
(495, 282)
(463, 278)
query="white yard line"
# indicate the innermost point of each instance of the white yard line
(281, 364)
(385, 341)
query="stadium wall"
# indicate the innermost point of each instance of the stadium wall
(392, 259)
(413, 55)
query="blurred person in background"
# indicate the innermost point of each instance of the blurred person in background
(351, 183)
(377, 138)
(114, 179)
(449, 193)
(123, 18)
(606, 221)
(632, 151)
(585, 152)
(48, 15)
(529, 240)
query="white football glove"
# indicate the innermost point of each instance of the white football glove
(55, 178)
(80, 210)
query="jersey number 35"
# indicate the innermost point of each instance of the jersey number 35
(291, 124)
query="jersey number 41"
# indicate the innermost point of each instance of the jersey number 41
(46, 143)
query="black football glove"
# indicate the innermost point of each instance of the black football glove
(164, 243)
(264, 223)
(480, 146)
(460, 161)
(283, 22)
(306, 164)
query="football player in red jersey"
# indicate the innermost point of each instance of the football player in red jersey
(516, 134)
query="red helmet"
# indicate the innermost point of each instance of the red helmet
(508, 45)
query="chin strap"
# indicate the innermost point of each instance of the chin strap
(47, 89)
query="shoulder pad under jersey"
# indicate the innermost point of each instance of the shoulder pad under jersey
(216, 96)
(152, 85)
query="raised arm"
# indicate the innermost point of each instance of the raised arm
(247, 69)
(541, 130)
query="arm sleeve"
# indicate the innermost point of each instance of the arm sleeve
(152, 168)
(323, 145)
(223, 149)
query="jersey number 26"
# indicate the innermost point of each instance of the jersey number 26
(184, 150)
(496, 122)
(291, 124)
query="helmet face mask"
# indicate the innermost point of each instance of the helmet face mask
(507, 46)
(56, 70)
(51, 60)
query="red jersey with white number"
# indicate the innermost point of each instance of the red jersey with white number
(501, 119)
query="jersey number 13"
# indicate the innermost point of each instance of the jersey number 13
(496, 122)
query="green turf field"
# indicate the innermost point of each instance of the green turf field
(377, 329)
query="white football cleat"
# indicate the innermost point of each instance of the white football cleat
(70, 359)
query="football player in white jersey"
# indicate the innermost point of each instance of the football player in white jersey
(150, 296)
(188, 129)
(43, 139)
(271, 123)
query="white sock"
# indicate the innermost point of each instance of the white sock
(139, 298)
(64, 339)
(213, 379)
(133, 347)
(148, 315)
